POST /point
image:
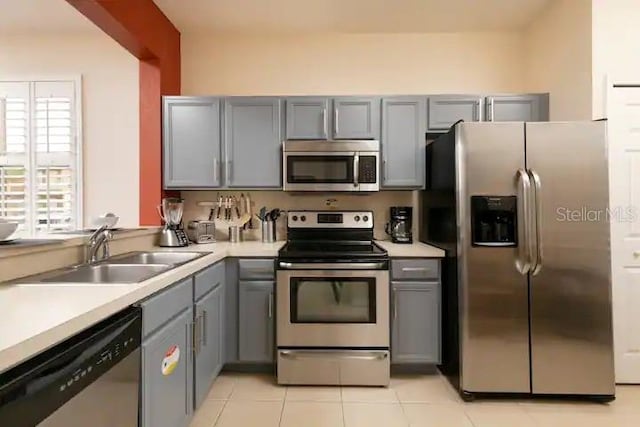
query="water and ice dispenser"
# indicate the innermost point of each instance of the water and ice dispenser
(494, 221)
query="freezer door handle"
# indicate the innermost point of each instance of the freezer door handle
(523, 262)
(537, 223)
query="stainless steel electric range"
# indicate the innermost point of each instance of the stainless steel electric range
(332, 301)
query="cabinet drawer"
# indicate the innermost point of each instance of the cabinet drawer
(404, 269)
(208, 279)
(334, 367)
(159, 309)
(256, 269)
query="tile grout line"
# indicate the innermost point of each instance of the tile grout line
(226, 401)
(344, 417)
(404, 414)
(215, 422)
(284, 400)
(464, 411)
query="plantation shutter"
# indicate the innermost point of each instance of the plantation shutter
(39, 155)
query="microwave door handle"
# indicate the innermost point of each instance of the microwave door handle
(356, 168)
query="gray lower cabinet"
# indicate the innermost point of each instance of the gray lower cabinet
(403, 141)
(191, 142)
(167, 374)
(415, 333)
(307, 118)
(209, 342)
(516, 108)
(356, 118)
(256, 321)
(252, 138)
(445, 110)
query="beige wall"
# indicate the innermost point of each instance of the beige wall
(379, 203)
(110, 110)
(616, 46)
(352, 63)
(346, 64)
(558, 58)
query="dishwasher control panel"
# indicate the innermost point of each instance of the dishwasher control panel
(109, 357)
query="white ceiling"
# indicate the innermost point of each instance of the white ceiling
(41, 16)
(354, 16)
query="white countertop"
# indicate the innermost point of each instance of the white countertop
(38, 316)
(410, 250)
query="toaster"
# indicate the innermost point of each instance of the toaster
(201, 231)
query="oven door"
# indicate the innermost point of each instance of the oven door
(333, 308)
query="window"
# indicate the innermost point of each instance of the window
(40, 156)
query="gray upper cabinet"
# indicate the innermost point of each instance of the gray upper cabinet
(307, 118)
(403, 141)
(191, 142)
(356, 118)
(445, 110)
(168, 375)
(252, 138)
(517, 108)
(415, 332)
(256, 321)
(209, 344)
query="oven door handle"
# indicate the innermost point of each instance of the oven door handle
(322, 354)
(336, 266)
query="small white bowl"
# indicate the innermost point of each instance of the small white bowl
(7, 229)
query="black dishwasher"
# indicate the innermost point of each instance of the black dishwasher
(91, 379)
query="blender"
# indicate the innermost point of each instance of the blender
(172, 234)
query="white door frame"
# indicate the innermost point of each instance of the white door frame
(624, 171)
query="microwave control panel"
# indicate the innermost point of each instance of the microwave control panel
(368, 170)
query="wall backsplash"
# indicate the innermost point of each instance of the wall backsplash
(379, 203)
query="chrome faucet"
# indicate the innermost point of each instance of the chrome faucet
(99, 238)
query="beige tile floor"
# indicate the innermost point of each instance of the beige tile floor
(244, 400)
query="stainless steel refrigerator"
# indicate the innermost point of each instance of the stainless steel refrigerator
(522, 212)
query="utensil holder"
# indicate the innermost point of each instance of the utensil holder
(235, 235)
(268, 231)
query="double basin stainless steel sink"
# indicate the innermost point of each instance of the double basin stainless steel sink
(131, 267)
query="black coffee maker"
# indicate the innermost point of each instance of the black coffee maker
(399, 226)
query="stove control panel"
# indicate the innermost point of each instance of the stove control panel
(330, 219)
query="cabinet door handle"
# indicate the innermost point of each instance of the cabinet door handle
(476, 113)
(204, 328)
(491, 111)
(216, 169)
(194, 336)
(229, 171)
(270, 305)
(336, 127)
(384, 170)
(395, 304)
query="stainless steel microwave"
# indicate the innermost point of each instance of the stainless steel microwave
(350, 165)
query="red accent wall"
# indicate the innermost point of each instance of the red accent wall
(141, 28)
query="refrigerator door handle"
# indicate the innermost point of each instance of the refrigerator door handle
(537, 223)
(523, 262)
